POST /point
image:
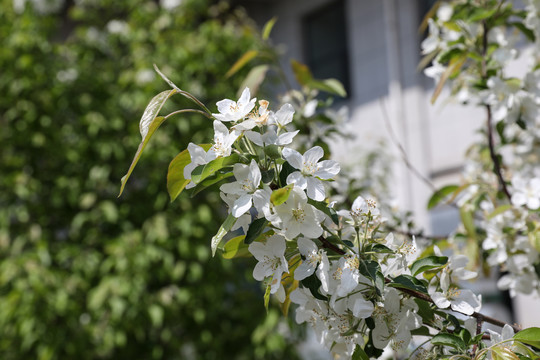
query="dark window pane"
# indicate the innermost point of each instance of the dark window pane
(325, 42)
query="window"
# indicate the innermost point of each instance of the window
(325, 43)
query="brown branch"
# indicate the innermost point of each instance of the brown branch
(479, 316)
(491, 141)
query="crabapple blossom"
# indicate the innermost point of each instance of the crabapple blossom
(230, 110)
(271, 260)
(311, 170)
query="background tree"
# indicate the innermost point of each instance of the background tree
(83, 275)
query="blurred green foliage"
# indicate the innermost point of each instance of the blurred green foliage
(84, 275)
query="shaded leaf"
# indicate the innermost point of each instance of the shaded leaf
(359, 354)
(440, 195)
(448, 340)
(301, 73)
(332, 86)
(323, 206)
(255, 230)
(408, 282)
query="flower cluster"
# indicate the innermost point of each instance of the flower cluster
(502, 177)
(355, 284)
(363, 288)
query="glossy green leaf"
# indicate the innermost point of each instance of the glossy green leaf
(223, 230)
(175, 175)
(279, 196)
(235, 248)
(209, 181)
(440, 195)
(408, 282)
(359, 354)
(149, 123)
(448, 340)
(256, 228)
(530, 336)
(203, 171)
(428, 263)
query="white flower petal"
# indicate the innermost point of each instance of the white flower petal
(293, 157)
(242, 205)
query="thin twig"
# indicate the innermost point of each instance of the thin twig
(402, 151)
(481, 317)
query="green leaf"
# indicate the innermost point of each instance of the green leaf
(530, 336)
(503, 353)
(359, 354)
(223, 230)
(267, 294)
(255, 230)
(440, 195)
(408, 282)
(428, 263)
(254, 79)
(313, 283)
(448, 340)
(209, 181)
(279, 196)
(235, 248)
(301, 73)
(525, 30)
(421, 331)
(175, 175)
(425, 311)
(323, 206)
(244, 59)
(481, 13)
(286, 170)
(380, 248)
(454, 65)
(203, 171)
(268, 28)
(332, 86)
(148, 125)
(499, 210)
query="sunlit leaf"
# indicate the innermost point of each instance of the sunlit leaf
(454, 65)
(223, 230)
(428, 263)
(203, 171)
(235, 248)
(281, 195)
(175, 175)
(530, 336)
(240, 63)
(268, 28)
(254, 79)
(148, 125)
